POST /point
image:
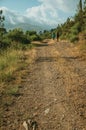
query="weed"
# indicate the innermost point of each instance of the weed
(83, 47)
(74, 38)
(9, 64)
(13, 91)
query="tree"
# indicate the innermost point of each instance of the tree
(18, 36)
(2, 29)
(2, 18)
(31, 33)
(84, 15)
(85, 4)
(80, 6)
(79, 16)
(84, 9)
(79, 11)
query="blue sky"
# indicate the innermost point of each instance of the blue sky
(49, 12)
(19, 5)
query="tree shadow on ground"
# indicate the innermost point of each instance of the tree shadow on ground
(70, 57)
(40, 45)
(47, 59)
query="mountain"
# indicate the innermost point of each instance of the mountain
(26, 26)
(16, 20)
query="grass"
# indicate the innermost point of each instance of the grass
(11, 60)
(82, 41)
(13, 91)
(13, 65)
(8, 64)
(83, 46)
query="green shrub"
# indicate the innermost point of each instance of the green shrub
(5, 43)
(35, 38)
(46, 35)
(74, 31)
(62, 37)
(6, 77)
(74, 38)
(18, 35)
(76, 28)
(31, 33)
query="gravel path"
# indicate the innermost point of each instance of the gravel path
(53, 93)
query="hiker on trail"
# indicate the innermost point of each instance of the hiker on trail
(53, 35)
(57, 36)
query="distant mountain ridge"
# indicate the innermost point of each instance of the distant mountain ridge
(25, 26)
(15, 20)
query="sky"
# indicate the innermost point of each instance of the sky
(18, 5)
(52, 12)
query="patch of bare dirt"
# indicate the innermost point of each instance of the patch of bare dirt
(52, 94)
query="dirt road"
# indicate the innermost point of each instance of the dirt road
(53, 93)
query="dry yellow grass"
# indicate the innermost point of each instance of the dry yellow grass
(12, 64)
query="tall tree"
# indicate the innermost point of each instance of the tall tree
(80, 6)
(80, 10)
(84, 15)
(2, 18)
(79, 15)
(84, 7)
(2, 29)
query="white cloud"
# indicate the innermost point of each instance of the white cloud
(12, 16)
(42, 14)
(64, 5)
(21, 19)
(49, 12)
(11, 20)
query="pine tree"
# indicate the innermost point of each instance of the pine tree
(84, 15)
(80, 10)
(84, 10)
(79, 16)
(80, 6)
(2, 18)
(2, 29)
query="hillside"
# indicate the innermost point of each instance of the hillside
(25, 26)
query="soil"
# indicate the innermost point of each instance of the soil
(53, 92)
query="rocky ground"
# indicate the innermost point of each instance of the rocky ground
(52, 94)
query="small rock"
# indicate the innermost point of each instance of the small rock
(4, 116)
(83, 128)
(35, 114)
(55, 99)
(29, 121)
(8, 122)
(47, 111)
(36, 108)
(63, 116)
(16, 122)
(25, 125)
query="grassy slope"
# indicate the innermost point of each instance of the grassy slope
(13, 65)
